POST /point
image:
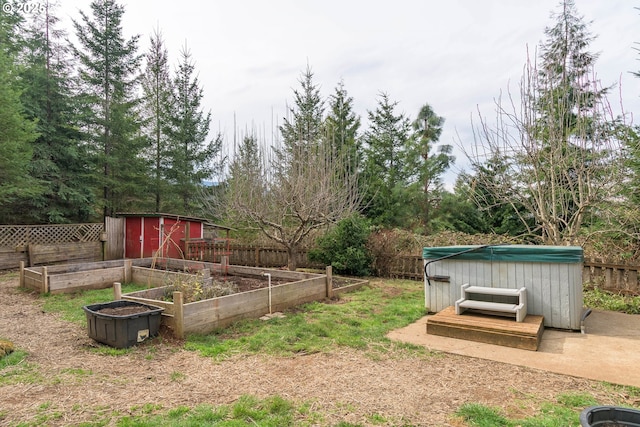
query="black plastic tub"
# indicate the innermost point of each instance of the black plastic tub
(609, 416)
(121, 324)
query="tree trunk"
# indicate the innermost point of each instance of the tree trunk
(292, 258)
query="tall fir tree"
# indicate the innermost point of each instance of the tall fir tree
(109, 70)
(570, 127)
(342, 125)
(427, 164)
(564, 167)
(303, 128)
(246, 178)
(565, 69)
(193, 159)
(17, 132)
(58, 161)
(158, 101)
(384, 174)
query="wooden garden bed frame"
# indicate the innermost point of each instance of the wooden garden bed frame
(194, 317)
(211, 314)
(67, 278)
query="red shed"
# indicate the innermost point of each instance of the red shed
(159, 234)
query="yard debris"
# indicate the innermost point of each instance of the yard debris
(270, 316)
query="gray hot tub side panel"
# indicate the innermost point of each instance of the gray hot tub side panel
(552, 276)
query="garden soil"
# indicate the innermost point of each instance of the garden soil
(344, 385)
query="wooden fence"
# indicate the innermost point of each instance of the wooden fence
(49, 244)
(622, 278)
(255, 256)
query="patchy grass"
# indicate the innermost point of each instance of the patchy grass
(596, 298)
(246, 411)
(14, 369)
(70, 305)
(358, 320)
(564, 411)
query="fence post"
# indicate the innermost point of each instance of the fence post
(127, 270)
(178, 314)
(224, 264)
(22, 274)
(329, 281)
(117, 291)
(632, 280)
(45, 280)
(586, 273)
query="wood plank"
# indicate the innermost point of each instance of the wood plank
(488, 305)
(64, 252)
(94, 279)
(32, 280)
(488, 329)
(485, 290)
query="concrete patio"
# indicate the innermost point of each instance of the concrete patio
(608, 351)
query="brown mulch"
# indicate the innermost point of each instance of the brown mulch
(344, 385)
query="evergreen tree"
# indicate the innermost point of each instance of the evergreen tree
(570, 128)
(482, 188)
(16, 131)
(564, 73)
(192, 158)
(342, 125)
(427, 163)
(459, 213)
(58, 159)
(109, 67)
(246, 179)
(157, 104)
(384, 172)
(248, 160)
(564, 162)
(304, 129)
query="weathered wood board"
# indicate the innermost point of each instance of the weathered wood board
(64, 252)
(488, 329)
(94, 279)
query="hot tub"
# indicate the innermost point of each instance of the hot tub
(552, 276)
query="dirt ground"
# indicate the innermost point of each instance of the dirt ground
(344, 385)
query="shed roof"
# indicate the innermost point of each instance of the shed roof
(205, 221)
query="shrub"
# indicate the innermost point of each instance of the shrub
(195, 289)
(344, 247)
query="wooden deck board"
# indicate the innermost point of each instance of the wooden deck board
(488, 329)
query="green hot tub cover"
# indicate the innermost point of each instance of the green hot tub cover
(512, 253)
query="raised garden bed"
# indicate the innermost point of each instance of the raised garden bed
(252, 297)
(204, 316)
(68, 278)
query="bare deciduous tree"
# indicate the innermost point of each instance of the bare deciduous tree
(293, 193)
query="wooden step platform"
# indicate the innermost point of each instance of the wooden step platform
(497, 330)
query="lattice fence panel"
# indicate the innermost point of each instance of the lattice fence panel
(22, 235)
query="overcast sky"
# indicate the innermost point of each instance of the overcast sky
(456, 55)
